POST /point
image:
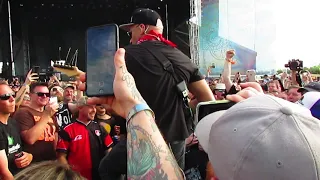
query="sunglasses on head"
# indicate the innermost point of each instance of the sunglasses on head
(7, 96)
(40, 94)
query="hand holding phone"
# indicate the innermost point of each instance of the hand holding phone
(205, 108)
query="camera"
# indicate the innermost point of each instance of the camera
(44, 74)
(294, 65)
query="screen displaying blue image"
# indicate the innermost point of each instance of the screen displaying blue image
(101, 47)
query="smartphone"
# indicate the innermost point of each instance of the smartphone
(53, 100)
(36, 69)
(101, 44)
(205, 108)
(251, 74)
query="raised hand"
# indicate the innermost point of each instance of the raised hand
(126, 95)
(31, 77)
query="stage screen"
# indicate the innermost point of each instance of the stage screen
(265, 34)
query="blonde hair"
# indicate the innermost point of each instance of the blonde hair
(48, 170)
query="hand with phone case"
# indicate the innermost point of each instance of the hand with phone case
(31, 77)
(126, 94)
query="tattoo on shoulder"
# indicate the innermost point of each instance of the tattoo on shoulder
(144, 160)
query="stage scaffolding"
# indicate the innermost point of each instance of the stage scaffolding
(194, 30)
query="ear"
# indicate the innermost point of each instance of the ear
(142, 28)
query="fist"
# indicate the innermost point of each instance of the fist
(230, 54)
(51, 108)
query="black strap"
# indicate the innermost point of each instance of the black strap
(164, 61)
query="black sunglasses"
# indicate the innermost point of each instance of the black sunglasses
(40, 94)
(7, 96)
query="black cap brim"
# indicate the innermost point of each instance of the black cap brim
(305, 89)
(126, 27)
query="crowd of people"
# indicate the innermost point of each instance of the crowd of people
(51, 130)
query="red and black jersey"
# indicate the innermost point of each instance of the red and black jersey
(85, 146)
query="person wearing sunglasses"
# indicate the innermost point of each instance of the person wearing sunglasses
(12, 158)
(37, 127)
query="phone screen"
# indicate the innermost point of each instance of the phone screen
(53, 100)
(205, 109)
(36, 69)
(102, 43)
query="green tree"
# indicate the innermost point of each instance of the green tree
(279, 71)
(315, 69)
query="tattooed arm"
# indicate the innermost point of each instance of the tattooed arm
(20, 95)
(148, 155)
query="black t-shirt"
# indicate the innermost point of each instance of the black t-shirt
(158, 87)
(10, 141)
(63, 116)
(112, 122)
(233, 90)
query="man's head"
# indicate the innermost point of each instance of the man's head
(86, 112)
(262, 137)
(39, 94)
(142, 21)
(7, 101)
(220, 91)
(101, 110)
(293, 95)
(273, 86)
(57, 91)
(68, 93)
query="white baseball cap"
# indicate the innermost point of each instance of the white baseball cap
(263, 137)
(311, 100)
(220, 86)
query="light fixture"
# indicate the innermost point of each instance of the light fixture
(21, 5)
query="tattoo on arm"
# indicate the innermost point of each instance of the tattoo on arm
(148, 156)
(19, 97)
(131, 84)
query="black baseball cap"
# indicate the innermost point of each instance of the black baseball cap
(143, 16)
(312, 86)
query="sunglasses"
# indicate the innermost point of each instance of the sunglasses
(7, 96)
(40, 94)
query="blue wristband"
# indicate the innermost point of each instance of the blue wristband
(137, 108)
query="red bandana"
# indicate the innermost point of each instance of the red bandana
(153, 36)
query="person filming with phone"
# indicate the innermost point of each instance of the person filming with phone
(37, 126)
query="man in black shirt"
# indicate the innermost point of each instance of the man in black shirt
(67, 107)
(11, 155)
(156, 84)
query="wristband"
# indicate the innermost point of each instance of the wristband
(137, 108)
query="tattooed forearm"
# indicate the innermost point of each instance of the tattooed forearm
(20, 95)
(148, 155)
(126, 76)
